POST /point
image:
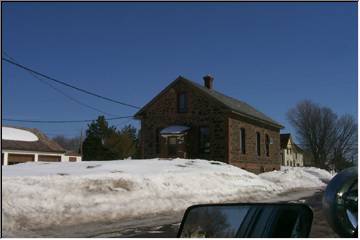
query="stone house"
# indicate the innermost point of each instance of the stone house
(19, 145)
(291, 154)
(189, 120)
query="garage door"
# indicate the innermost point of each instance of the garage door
(19, 158)
(72, 159)
(49, 158)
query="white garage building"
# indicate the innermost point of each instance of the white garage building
(20, 145)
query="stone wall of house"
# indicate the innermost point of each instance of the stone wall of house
(250, 160)
(224, 130)
(202, 111)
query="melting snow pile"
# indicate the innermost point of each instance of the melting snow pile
(294, 178)
(41, 195)
(322, 174)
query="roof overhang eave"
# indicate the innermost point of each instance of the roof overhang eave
(174, 130)
(33, 151)
(258, 119)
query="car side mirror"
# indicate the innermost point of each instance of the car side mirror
(263, 220)
(340, 203)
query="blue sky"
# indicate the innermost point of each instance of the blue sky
(270, 55)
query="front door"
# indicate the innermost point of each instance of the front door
(176, 147)
(172, 147)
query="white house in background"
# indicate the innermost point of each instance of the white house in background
(291, 154)
(20, 145)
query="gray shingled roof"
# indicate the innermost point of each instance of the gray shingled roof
(234, 104)
(229, 102)
(44, 144)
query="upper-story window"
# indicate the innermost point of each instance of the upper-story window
(182, 102)
(267, 145)
(258, 149)
(242, 141)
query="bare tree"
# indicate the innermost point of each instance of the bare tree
(70, 144)
(345, 148)
(322, 133)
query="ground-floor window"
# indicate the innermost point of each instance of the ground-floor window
(267, 145)
(204, 140)
(157, 140)
(258, 150)
(242, 141)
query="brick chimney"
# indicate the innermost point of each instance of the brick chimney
(208, 81)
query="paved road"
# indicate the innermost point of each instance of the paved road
(320, 228)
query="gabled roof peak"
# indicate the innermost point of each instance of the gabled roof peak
(233, 104)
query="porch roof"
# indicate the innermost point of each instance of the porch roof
(174, 130)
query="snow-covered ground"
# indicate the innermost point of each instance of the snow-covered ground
(42, 195)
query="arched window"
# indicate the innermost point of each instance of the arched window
(258, 149)
(204, 140)
(242, 141)
(182, 102)
(267, 145)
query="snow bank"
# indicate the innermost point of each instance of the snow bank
(15, 134)
(294, 178)
(321, 174)
(41, 195)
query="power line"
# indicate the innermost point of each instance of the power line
(62, 92)
(67, 84)
(72, 98)
(60, 121)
